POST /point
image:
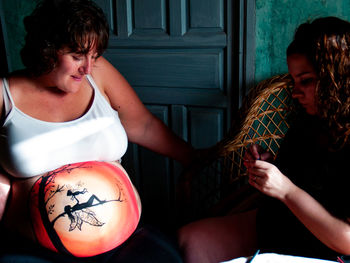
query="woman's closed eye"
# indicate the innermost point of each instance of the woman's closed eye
(307, 81)
(77, 57)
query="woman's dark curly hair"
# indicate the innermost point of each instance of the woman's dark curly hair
(326, 43)
(78, 25)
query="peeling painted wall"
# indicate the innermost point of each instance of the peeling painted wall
(276, 21)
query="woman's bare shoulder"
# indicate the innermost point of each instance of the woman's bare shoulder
(110, 81)
(17, 78)
(105, 73)
(14, 79)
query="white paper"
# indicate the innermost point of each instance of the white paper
(277, 258)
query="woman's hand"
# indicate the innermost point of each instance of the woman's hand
(268, 179)
(256, 152)
(263, 175)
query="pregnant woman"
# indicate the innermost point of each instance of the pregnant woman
(66, 121)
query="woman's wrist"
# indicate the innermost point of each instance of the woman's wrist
(291, 193)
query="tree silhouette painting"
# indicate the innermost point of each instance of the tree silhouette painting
(77, 212)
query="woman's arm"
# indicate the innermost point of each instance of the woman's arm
(5, 186)
(1, 100)
(4, 180)
(330, 230)
(141, 126)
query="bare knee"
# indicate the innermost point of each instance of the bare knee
(218, 239)
(194, 240)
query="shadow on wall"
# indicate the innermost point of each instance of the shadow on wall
(13, 24)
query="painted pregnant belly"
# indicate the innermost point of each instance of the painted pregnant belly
(84, 209)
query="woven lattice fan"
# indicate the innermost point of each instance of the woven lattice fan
(264, 120)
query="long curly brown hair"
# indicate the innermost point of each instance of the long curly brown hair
(326, 43)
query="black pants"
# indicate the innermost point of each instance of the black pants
(146, 245)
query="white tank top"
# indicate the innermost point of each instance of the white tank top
(30, 147)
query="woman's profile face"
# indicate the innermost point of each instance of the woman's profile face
(71, 69)
(305, 81)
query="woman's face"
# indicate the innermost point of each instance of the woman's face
(71, 68)
(305, 81)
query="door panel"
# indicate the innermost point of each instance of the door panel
(206, 14)
(150, 15)
(206, 126)
(189, 69)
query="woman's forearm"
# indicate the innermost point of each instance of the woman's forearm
(159, 138)
(332, 231)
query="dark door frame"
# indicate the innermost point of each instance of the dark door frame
(243, 72)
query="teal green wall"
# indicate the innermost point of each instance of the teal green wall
(276, 21)
(15, 11)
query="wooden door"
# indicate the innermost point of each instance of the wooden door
(177, 55)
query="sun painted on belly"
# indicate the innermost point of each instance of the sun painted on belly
(84, 209)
